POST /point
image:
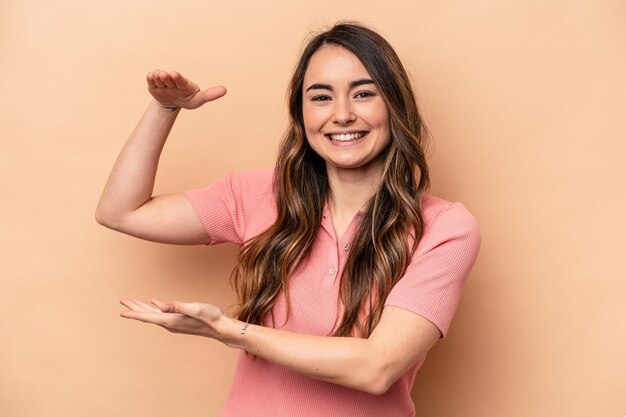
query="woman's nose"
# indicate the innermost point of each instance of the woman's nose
(343, 112)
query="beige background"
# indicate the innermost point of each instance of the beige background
(526, 102)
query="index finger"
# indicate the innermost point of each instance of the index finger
(150, 80)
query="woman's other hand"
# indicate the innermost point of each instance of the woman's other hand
(172, 89)
(177, 317)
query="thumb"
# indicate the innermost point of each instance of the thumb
(173, 307)
(211, 94)
(187, 309)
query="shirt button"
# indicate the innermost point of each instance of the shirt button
(346, 246)
(332, 271)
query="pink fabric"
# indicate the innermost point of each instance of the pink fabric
(243, 205)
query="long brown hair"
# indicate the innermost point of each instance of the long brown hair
(391, 225)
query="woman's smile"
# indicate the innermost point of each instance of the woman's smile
(348, 138)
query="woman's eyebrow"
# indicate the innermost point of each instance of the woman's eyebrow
(362, 81)
(356, 83)
(319, 86)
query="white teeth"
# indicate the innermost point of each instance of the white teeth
(347, 136)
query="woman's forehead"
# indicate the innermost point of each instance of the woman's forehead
(333, 64)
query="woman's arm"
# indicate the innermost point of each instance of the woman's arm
(127, 203)
(372, 365)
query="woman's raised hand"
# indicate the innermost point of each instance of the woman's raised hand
(172, 89)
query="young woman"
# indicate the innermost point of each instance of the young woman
(348, 271)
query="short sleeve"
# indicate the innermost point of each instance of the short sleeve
(433, 281)
(225, 207)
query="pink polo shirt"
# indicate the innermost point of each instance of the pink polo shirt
(242, 206)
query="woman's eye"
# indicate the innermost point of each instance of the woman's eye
(364, 94)
(320, 98)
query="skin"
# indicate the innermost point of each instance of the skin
(128, 205)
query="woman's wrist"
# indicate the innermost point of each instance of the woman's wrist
(234, 332)
(164, 107)
(168, 107)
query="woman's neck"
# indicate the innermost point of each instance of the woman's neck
(349, 192)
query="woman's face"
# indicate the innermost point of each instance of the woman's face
(345, 118)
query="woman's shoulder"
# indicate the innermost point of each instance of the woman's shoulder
(453, 213)
(240, 191)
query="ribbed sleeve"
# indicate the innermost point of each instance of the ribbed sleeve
(432, 284)
(225, 207)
